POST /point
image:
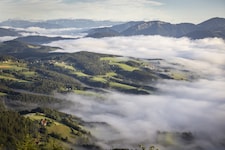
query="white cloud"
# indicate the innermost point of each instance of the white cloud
(121, 10)
(206, 57)
(99, 9)
(179, 107)
(205, 52)
(197, 106)
(7, 38)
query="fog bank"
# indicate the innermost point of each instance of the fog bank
(179, 106)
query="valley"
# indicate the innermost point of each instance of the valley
(32, 77)
(84, 71)
(84, 84)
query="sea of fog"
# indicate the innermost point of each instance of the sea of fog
(180, 106)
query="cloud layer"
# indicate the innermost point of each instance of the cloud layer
(123, 10)
(7, 38)
(91, 9)
(179, 106)
(204, 52)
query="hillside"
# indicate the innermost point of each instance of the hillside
(57, 23)
(44, 129)
(40, 39)
(32, 68)
(31, 75)
(8, 32)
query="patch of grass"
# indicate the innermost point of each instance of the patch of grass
(119, 61)
(13, 65)
(34, 116)
(33, 46)
(55, 127)
(124, 66)
(111, 59)
(122, 86)
(115, 59)
(11, 78)
(28, 73)
(99, 79)
(178, 76)
(61, 129)
(80, 74)
(2, 94)
(2, 66)
(110, 74)
(104, 78)
(64, 65)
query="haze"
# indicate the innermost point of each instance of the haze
(175, 11)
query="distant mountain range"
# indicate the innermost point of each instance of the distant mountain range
(58, 23)
(214, 27)
(8, 32)
(36, 39)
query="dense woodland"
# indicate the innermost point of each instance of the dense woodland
(19, 132)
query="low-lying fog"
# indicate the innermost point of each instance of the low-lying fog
(179, 106)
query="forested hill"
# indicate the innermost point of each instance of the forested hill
(8, 32)
(33, 68)
(30, 75)
(42, 129)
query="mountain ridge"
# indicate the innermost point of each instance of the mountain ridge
(8, 32)
(57, 23)
(214, 27)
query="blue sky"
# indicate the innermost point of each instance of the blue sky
(121, 10)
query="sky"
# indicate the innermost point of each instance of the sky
(174, 11)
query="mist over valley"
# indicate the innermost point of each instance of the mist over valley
(112, 90)
(195, 104)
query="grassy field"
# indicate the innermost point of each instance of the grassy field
(122, 86)
(2, 94)
(112, 59)
(119, 61)
(34, 116)
(11, 78)
(124, 66)
(178, 75)
(56, 127)
(99, 79)
(80, 74)
(12, 65)
(28, 73)
(18, 67)
(110, 74)
(33, 46)
(64, 65)
(61, 129)
(3, 66)
(103, 78)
